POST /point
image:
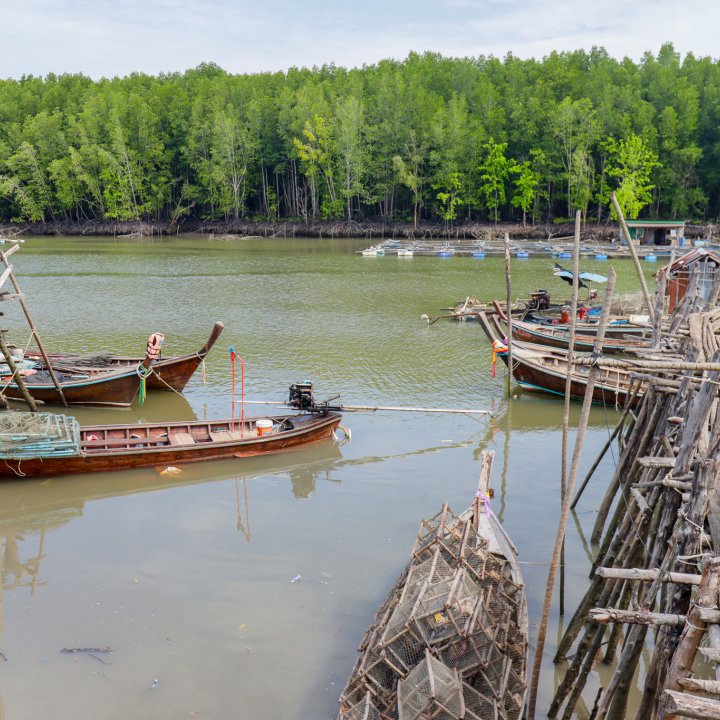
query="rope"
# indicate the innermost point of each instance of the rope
(144, 373)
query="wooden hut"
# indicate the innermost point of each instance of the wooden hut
(678, 274)
(657, 232)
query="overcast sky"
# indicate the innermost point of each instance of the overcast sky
(116, 37)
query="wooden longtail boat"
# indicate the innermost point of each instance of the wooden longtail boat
(450, 641)
(169, 373)
(89, 387)
(538, 368)
(68, 449)
(621, 327)
(559, 337)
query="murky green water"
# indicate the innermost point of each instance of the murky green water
(187, 578)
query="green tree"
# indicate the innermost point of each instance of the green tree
(449, 196)
(495, 170)
(526, 188)
(632, 163)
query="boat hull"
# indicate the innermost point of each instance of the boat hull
(172, 373)
(151, 449)
(610, 389)
(117, 389)
(552, 337)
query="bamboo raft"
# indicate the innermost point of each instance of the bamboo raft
(450, 641)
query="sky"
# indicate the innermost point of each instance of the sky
(106, 38)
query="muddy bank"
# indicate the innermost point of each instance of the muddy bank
(326, 229)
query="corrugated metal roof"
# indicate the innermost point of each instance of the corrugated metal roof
(688, 259)
(655, 223)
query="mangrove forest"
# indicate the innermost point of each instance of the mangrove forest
(426, 139)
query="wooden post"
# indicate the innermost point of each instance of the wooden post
(565, 511)
(508, 285)
(16, 375)
(33, 329)
(633, 254)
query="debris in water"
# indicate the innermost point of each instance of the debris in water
(171, 470)
(154, 683)
(296, 579)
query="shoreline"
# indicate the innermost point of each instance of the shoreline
(602, 233)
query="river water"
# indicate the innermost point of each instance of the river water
(188, 577)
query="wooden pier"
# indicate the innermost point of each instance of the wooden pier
(658, 531)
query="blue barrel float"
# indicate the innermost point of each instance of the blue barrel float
(650, 258)
(601, 256)
(479, 255)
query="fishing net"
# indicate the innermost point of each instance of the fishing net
(94, 360)
(32, 435)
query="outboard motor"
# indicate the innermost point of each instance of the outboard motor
(302, 396)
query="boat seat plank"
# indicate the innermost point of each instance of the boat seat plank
(220, 436)
(181, 438)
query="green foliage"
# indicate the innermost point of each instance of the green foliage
(495, 170)
(449, 197)
(420, 138)
(632, 163)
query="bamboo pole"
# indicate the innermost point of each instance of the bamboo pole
(508, 284)
(568, 388)
(570, 354)
(606, 362)
(33, 329)
(690, 706)
(29, 399)
(376, 408)
(633, 254)
(565, 512)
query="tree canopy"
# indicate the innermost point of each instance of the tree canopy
(426, 139)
